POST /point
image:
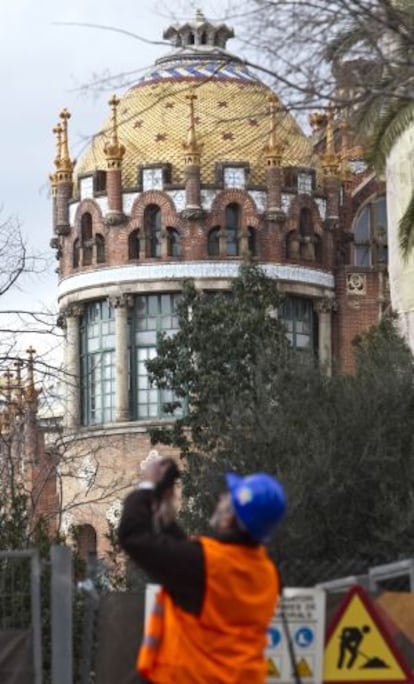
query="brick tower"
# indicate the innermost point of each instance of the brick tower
(198, 167)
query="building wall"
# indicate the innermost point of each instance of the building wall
(400, 184)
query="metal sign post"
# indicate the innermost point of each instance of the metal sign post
(304, 612)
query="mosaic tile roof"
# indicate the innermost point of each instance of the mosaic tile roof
(232, 122)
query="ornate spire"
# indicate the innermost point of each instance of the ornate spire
(330, 160)
(57, 130)
(274, 147)
(64, 165)
(192, 148)
(31, 393)
(19, 386)
(114, 150)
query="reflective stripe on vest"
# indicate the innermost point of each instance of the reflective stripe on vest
(153, 636)
(226, 642)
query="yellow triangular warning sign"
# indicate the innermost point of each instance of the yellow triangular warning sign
(272, 670)
(303, 668)
(358, 647)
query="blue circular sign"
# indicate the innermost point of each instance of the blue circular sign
(274, 637)
(304, 637)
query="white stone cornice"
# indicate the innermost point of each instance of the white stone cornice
(205, 270)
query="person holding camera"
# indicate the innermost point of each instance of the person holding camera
(218, 594)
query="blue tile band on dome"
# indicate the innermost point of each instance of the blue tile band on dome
(202, 70)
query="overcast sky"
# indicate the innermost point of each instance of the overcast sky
(42, 68)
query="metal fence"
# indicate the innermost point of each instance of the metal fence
(20, 618)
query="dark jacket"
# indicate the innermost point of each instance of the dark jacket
(168, 556)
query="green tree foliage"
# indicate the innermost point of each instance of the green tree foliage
(343, 446)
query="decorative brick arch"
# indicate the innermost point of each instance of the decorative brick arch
(249, 214)
(304, 202)
(90, 206)
(169, 216)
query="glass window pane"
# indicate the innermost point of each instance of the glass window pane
(381, 219)
(362, 227)
(362, 255)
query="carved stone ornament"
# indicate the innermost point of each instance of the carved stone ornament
(63, 229)
(356, 284)
(120, 301)
(277, 215)
(74, 311)
(193, 213)
(115, 218)
(325, 305)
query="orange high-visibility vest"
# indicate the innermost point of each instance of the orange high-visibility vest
(225, 643)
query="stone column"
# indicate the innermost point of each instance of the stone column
(72, 366)
(121, 303)
(324, 308)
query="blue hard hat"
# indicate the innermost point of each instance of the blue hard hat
(259, 502)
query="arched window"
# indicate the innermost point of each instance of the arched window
(174, 246)
(100, 248)
(213, 242)
(203, 39)
(191, 39)
(370, 234)
(86, 238)
(232, 228)
(133, 245)
(86, 539)
(152, 223)
(251, 241)
(76, 249)
(305, 227)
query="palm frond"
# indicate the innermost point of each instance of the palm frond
(406, 230)
(394, 121)
(340, 47)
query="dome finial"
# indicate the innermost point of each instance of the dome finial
(191, 147)
(64, 164)
(113, 149)
(199, 17)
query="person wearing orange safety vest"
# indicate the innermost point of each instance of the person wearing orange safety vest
(218, 594)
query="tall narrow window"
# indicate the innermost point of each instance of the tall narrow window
(370, 234)
(305, 227)
(152, 223)
(298, 317)
(86, 238)
(213, 242)
(98, 364)
(100, 248)
(133, 245)
(174, 246)
(251, 241)
(153, 314)
(76, 249)
(232, 229)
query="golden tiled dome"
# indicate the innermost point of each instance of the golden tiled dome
(231, 115)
